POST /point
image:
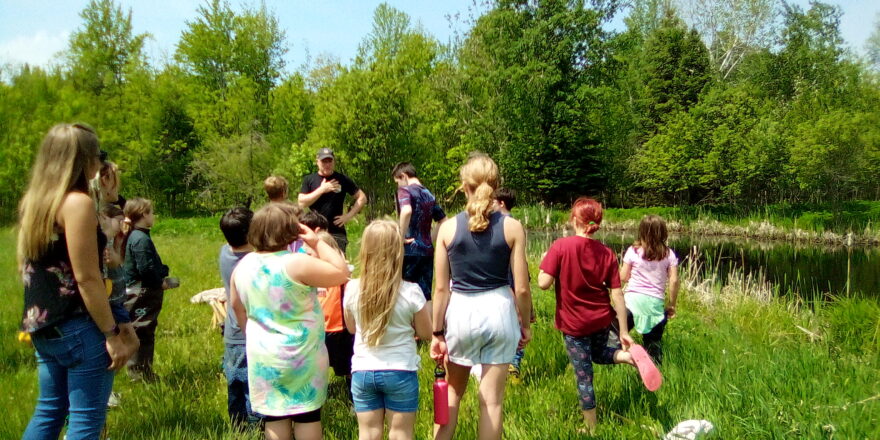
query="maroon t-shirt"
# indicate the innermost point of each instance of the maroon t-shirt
(585, 271)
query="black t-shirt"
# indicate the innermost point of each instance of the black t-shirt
(330, 204)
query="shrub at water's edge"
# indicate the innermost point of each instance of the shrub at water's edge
(852, 222)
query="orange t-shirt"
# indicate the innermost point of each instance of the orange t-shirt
(331, 303)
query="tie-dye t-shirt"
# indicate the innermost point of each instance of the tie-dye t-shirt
(424, 210)
(287, 359)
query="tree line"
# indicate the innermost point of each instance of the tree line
(693, 102)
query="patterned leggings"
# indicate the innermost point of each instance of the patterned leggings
(598, 347)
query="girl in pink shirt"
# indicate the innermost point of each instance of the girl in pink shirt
(650, 265)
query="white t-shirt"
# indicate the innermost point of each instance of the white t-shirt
(648, 277)
(397, 349)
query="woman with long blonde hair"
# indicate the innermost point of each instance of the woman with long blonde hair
(384, 313)
(480, 321)
(66, 310)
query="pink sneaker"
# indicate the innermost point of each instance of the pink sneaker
(651, 376)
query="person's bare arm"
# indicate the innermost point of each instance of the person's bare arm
(307, 199)
(625, 272)
(441, 289)
(619, 305)
(327, 269)
(237, 306)
(78, 218)
(673, 291)
(359, 203)
(520, 268)
(545, 280)
(403, 220)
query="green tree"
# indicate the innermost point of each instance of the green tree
(676, 69)
(101, 51)
(533, 72)
(383, 109)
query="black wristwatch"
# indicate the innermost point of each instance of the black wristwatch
(439, 332)
(112, 332)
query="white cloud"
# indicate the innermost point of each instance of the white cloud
(38, 49)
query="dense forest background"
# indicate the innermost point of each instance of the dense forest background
(695, 102)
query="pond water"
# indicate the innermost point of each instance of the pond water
(800, 268)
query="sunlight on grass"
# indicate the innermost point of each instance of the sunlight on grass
(740, 362)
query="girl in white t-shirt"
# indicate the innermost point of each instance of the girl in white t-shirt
(649, 266)
(385, 313)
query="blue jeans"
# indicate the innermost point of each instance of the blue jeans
(72, 364)
(238, 402)
(395, 390)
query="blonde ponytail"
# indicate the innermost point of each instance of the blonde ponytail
(479, 206)
(479, 176)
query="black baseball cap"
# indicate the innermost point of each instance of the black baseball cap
(324, 153)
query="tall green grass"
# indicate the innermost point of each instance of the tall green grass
(755, 367)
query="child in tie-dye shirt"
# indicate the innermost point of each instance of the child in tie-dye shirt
(281, 317)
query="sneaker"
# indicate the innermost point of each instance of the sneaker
(514, 375)
(113, 401)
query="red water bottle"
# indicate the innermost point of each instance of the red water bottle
(441, 397)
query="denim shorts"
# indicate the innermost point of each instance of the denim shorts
(394, 390)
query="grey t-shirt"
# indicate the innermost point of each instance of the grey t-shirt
(228, 260)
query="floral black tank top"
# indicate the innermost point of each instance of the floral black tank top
(51, 293)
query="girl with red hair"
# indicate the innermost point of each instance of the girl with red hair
(587, 281)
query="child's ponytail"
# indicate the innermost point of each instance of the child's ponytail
(479, 175)
(587, 214)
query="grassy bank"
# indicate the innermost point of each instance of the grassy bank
(849, 222)
(753, 365)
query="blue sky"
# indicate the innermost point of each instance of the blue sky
(35, 31)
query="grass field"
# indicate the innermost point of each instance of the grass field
(740, 362)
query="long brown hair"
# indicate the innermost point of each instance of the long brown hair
(652, 238)
(479, 176)
(381, 261)
(60, 167)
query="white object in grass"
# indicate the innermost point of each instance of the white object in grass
(689, 430)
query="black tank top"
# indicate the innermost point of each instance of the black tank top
(51, 293)
(479, 261)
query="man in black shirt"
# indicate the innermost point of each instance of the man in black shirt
(324, 192)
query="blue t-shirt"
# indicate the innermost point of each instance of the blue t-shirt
(228, 260)
(424, 210)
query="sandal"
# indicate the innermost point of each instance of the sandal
(651, 376)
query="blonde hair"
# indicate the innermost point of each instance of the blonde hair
(60, 168)
(273, 227)
(111, 172)
(275, 187)
(136, 209)
(381, 261)
(479, 176)
(327, 238)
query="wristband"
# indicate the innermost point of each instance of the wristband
(114, 331)
(441, 332)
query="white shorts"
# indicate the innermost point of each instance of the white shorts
(482, 328)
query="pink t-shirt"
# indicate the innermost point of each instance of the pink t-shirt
(648, 277)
